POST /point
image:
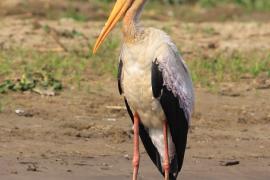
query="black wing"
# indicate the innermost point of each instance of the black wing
(175, 116)
(119, 76)
(157, 80)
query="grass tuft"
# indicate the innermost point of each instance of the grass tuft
(228, 67)
(18, 66)
(106, 59)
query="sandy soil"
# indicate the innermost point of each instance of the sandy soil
(79, 135)
(84, 139)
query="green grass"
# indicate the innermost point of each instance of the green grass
(73, 68)
(75, 15)
(210, 31)
(16, 64)
(261, 5)
(70, 68)
(186, 10)
(106, 59)
(19, 61)
(4, 102)
(1, 107)
(250, 4)
(224, 67)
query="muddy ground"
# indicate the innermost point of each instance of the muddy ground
(68, 137)
(82, 135)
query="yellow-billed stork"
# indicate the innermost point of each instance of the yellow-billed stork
(156, 86)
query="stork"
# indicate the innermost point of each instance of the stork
(157, 89)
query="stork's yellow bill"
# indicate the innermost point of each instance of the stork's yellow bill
(120, 8)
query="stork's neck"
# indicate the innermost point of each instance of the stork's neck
(132, 30)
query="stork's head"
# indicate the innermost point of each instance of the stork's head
(119, 10)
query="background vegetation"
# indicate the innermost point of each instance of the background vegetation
(20, 66)
(250, 4)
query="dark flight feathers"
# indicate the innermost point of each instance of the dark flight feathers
(120, 67)
(175, 117)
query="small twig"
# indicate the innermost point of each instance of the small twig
(203, 157)
(50, 50)
(116, 107)
(54, 34)
(229, 163)
(57, 40)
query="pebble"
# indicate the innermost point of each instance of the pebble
(126, 156)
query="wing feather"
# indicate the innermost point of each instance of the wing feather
(119, 76)
(176, 77)
(157, 80)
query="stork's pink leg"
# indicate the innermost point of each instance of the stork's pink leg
(166, 163)
(136, 155)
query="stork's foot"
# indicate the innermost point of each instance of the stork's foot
(136, 154)
(135, 172)
(167, 171)
(166, 163)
